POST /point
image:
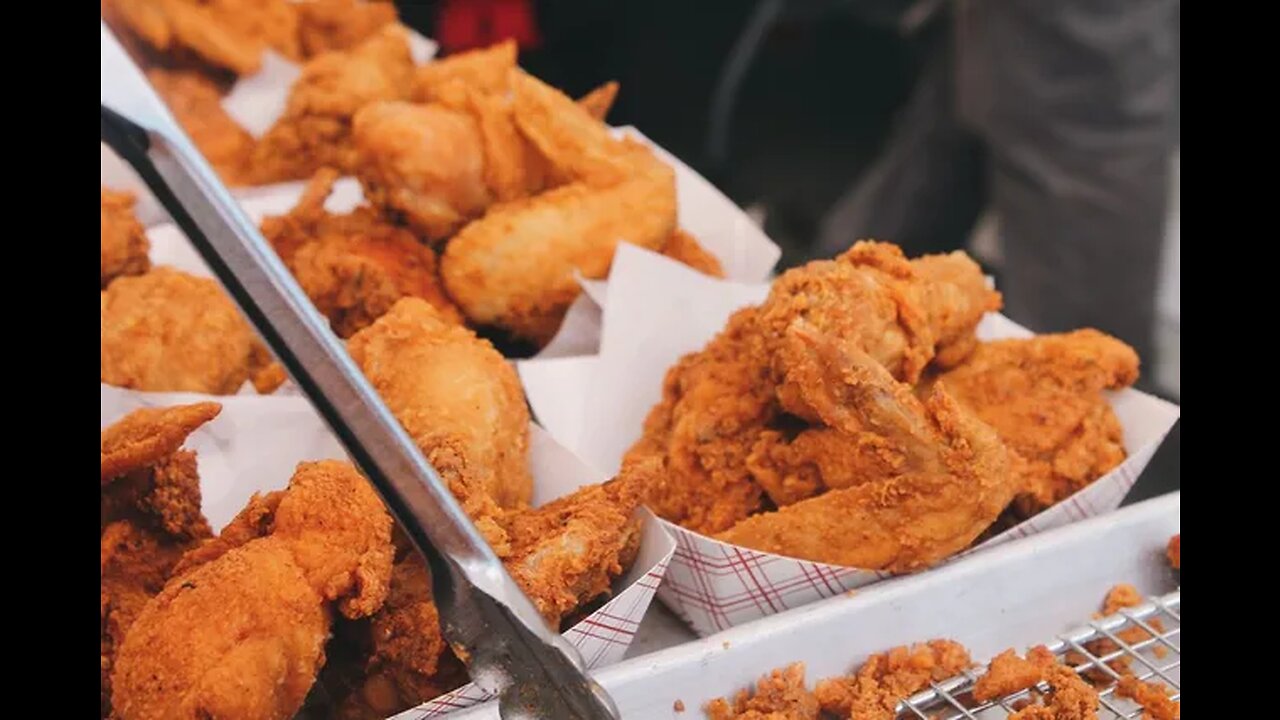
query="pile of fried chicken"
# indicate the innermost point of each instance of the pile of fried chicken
(314, 580)
(853, 417)
(488, 193)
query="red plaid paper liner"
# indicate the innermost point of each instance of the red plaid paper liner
(713, 585)
(602, 637)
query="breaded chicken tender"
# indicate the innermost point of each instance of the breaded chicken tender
(196, 103)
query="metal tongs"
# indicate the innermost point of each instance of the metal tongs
(489, 622)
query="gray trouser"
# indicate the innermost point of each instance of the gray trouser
(1066, 107)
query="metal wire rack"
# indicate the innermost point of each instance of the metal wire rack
(1091, 650)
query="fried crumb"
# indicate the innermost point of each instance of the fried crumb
(781, 695)
(1008, 673)
(678, 706)
(874, 691)
(1069, 698)
(1174, 551)
(1152, 696)
(1118, 598)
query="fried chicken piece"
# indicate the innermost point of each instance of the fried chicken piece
(951, 483)
(326, 25)
(713, 402)
(885, 679)
(1008, 673)
(1154, 698)
(315, 130)
(196, 103)
(150, 516)
(1070, 698)
(517, 267)
(354, 267)
(567, 552)
(732, 428)
(563, 555)
(684, 248)
(242, 634)
(167, 331)
(459, 400)
(1174, 551)
(1043, 395)
(424, 163)
(780, 695)
(124, 242)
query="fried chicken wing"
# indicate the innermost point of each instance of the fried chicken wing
(315, 130)
(733, 426)
(242, 633)
(150, 516)
(951, 483)
(1043, 395)
(124, 243)
(354, 267)
(484, 69)
(167, 331)
(459, 400)
(196, 103)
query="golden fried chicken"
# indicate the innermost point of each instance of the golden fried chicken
(124, 243)
(948, 482)
(196, 103)
(354, 267)
(733, 427)
(167, 331)
(315, 129)
(1174, 551)
(885, 679)
(326, 25)
(563, 555)
(517, 267)
(484, 70)
(780, 695)
(1043, 395)
(459, 400)
(150, 515)
(599, 102)
(241, 632)
(423, 163)
(1152, 696)
(225, 34)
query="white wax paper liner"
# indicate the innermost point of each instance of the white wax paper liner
(255, 443)
(656, 311)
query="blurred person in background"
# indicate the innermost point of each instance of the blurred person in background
(1059, 118)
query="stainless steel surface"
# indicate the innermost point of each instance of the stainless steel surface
(1158, 657)
(486, 618)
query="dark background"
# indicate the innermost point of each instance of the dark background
(812, 110)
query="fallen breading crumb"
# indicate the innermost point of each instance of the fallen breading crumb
(1174, 551)
(1069, 698)
(678, 706)
(887, 678)
(1152, 696)
(781, 695)
(1008, 673)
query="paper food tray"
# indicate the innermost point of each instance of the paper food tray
(597, 405)
(255, 443)
(1016, 595)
